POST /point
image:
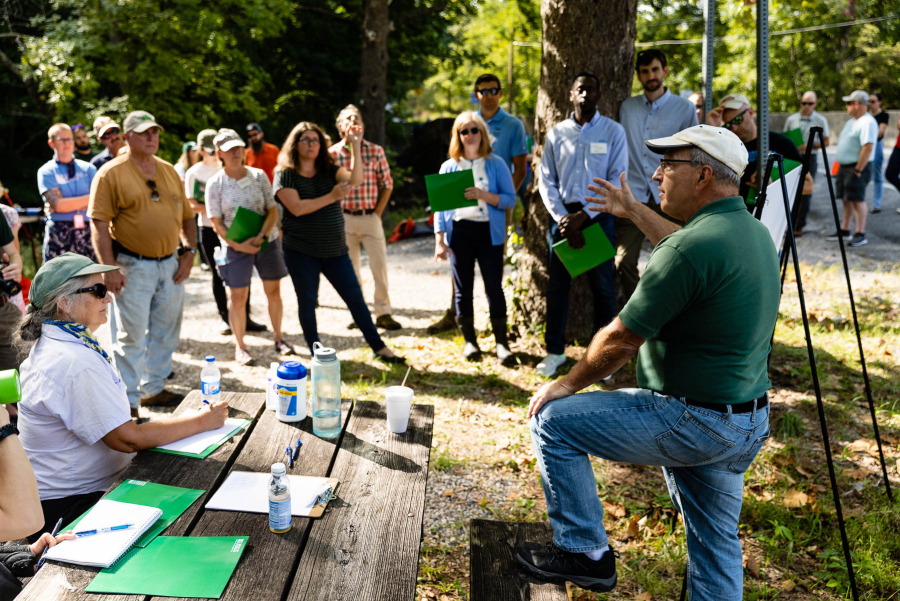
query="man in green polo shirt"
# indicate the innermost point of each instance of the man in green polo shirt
(700, 322)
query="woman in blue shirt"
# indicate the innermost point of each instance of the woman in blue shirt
(477, 233)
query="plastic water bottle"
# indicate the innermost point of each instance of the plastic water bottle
(219, 255)
(326, 392)
(279, 500)
(210, 379)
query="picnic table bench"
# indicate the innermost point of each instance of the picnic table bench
(365, 546)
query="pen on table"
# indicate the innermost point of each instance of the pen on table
(290, 457)
(297, 450)
(107, 529)
(53, 534)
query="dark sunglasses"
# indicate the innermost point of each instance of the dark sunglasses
(99, 290)
(154, 194)
(488, 91)
(109, 132)
(807, 103)
(736, 121)
(466, 132)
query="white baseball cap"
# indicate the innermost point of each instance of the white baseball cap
(859, 96)
(717, 142)
(734, 101)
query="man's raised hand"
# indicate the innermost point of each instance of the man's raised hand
(619, 202)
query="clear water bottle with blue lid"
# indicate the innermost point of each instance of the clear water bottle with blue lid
(210, 381)
(325, 370)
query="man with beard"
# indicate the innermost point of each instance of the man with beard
(657, 113)
(83, 148)
(584, 146)
(261, 154)
(110, 135)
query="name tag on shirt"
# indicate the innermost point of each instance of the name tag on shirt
(244, 182)
(598, 147)
(78, 221)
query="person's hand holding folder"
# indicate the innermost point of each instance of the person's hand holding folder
(251, 246)
(570, 228)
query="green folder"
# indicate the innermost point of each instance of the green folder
(173, 500)
(795, 135)
(446, 190)
(199, 192)
(247, 224)
(596, 251)
(209, 450)
(174, 566)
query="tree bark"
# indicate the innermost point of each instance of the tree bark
(373, 69)
(578, 35)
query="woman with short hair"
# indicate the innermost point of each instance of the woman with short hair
(74, 417)
(477, 233)
(311, 187)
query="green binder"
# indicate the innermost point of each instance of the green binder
(247, 224)
(209, 450)
(596, 251)
(173, 500)
(174, 566)
(446, 190)
(795, 135)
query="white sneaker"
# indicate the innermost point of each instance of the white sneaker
(550, 364)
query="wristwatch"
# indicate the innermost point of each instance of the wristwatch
(8, 430)
(183, 250)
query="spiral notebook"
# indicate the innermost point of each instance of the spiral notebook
(105, 548)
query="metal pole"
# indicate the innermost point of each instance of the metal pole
(709, 17)
(762, 90)
(509, 77)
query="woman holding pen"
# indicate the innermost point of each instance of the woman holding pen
(477, 233)
(74, 417)
(311, 187)
(237, 186)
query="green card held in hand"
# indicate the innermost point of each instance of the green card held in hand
(795, 136)
(446, 191)
(174, 566)
(597, 250)
(247, 224)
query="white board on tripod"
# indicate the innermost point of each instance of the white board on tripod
(773, 216)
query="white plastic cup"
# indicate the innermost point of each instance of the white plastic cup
(399, 402)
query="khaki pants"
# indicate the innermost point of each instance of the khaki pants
(629, 240)
(366, 230)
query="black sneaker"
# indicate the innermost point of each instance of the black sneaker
(845, 234)
(553, 564)
(858, 239)
(252, 326)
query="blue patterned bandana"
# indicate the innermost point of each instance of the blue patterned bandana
(79, 331)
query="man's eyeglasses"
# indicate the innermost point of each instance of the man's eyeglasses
(63, 140)
(489, 91)
(807, 104)
(112, 131)
(310, 141)
(466, 132)
(77, 127)
(154, 194)
(738, 119)
(664, 163)
(99, 290)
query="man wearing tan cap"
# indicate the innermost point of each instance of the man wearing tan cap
(700, 322)
(735, 114)
(139, 214)
(110, 135)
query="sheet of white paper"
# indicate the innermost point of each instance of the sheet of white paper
(200, 442)
(105, 548)
(773, 213)
(249, 491)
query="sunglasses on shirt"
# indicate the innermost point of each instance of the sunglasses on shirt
(112, 131)
(99, 290)
(466, 132)
(489, 91)
(154, 194)
(736, 121)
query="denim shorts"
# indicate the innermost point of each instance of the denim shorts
(238, 267)
(851, 188)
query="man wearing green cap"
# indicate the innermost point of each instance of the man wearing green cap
(9, 314)
(139, 214)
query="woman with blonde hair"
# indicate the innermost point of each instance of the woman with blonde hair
(190, 156)
(311, 186)
(477, 233)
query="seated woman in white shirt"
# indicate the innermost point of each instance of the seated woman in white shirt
(477, 233)
(74, 417)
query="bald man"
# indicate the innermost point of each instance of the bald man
(804, 120)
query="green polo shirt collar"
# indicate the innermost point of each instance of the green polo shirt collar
(723, 205)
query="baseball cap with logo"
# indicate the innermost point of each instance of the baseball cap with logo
(55, 272)
(734, 101)
(227, 139)
(859, 96)
(717, 142)
(140, 121)
(205, 140)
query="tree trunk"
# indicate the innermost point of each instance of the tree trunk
(373, 69)
(579, 35)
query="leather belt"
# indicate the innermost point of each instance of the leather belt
(747, 407)
(359, 212)
(125, 251)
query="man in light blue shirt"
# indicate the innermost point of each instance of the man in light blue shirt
(507, 132)
(65, 184)
(657, 113)
(585, 146)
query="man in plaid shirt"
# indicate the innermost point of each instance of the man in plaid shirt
(363, 207)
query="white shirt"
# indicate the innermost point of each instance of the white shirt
(479, 173)
(71, 398)
(195, 180)
(225, 195)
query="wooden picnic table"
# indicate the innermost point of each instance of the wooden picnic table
(365, 546)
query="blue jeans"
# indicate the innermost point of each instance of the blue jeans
(878, 176)
(305, 271)
(600, 280)
(145, 325)
(703, 453)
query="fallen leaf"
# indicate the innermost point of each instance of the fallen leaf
(616, 510)
(788, 586)
(632, 530)
(857, 474)
(803, 472)
(752, 566)
(795, 498)
(448, 493)
(859, 446)
(645, 596)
